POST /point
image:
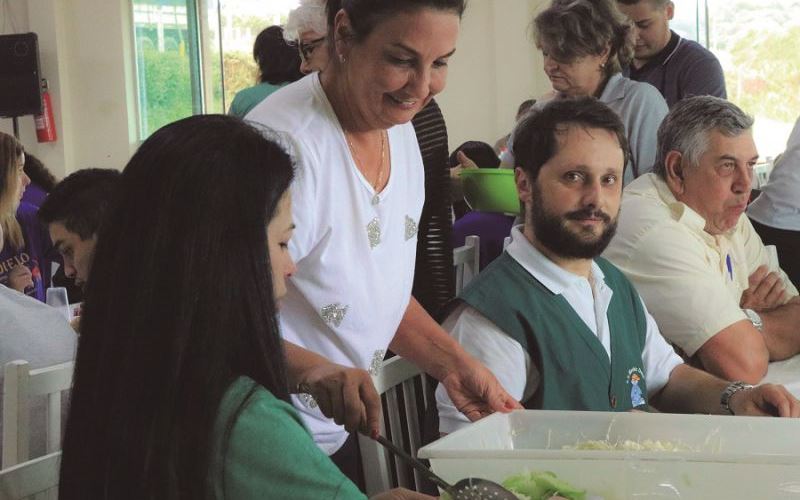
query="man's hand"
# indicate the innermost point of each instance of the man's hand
(476, 392)
(20, 278)
(346, 395)
(766, 291)
(765, 400)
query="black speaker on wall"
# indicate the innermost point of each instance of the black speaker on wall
(20, 78)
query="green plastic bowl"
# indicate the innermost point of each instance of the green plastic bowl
(491, 190)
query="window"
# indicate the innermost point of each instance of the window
(163, 62)
(192, 56)
(758, 45)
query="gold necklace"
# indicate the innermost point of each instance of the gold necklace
(379, 180)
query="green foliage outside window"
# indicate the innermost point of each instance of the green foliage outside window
(168, 95)
(767, 75)
(241, 72)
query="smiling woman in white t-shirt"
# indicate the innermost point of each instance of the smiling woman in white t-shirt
(358, 196)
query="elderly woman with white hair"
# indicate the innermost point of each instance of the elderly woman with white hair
(308, 27)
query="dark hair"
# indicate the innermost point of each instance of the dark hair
(688, 126)
(80, 201)
(365, 15)
(38, 173)
(524, 107)
(570, 29)
(535, 138)
(163, 335)
(481, 153)
(277, 61)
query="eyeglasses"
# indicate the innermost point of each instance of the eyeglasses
(307, 48)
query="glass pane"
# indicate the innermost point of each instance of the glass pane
(212, 62)
(758, 44)
(161, 35)
(242, 21)
(685, 21)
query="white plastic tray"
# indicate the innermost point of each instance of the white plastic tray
(731, 458)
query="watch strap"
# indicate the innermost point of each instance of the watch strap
(727, 394)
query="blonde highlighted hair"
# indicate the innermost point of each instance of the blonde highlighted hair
(10, 152)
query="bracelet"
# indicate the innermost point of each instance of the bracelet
(727, 394)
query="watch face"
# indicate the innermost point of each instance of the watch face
(754, 318)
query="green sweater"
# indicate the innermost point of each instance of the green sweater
(247, 99)
(575, 370)
(270, 454)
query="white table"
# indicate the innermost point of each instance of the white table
(785, 372)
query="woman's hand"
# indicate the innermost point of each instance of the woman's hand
(476, 392)
(345, 394)
(20, 278)
(401, 494)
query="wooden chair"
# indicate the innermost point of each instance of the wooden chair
(466, 260)
(34, 480)
(405, 394)
(20, 386)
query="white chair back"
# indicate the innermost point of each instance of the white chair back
(466, 260)
(33, 480)
(405, 394)
(20, 385)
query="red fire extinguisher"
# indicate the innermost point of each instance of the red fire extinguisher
(45, 124)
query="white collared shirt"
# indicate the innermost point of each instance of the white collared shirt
(511, 363)
(692, 280)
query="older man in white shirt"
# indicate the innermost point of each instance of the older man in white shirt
(560, 327)
(714, 289)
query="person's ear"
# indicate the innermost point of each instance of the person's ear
(605, 55)
(674, 169)
(524, 186)
(669, 9)
(343, 32)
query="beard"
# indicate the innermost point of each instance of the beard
(551, 230)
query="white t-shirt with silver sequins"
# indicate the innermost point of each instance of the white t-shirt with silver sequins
(355, 259)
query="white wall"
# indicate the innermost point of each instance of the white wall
(495, 68)
(85, 54)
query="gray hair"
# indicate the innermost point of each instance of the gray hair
(688, 125)
(310, 15)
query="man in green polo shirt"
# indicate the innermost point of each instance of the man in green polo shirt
(561, 327)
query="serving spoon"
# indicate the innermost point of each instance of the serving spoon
(471, 488)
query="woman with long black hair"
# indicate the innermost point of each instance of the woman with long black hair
(181, 385)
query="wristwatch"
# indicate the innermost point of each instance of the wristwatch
(755, 319)
(727, 394)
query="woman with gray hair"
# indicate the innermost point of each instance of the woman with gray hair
(308, 27)
(585, 44)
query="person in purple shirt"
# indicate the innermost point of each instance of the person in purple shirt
(33, 254)
(25, 243)
(491, 228)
